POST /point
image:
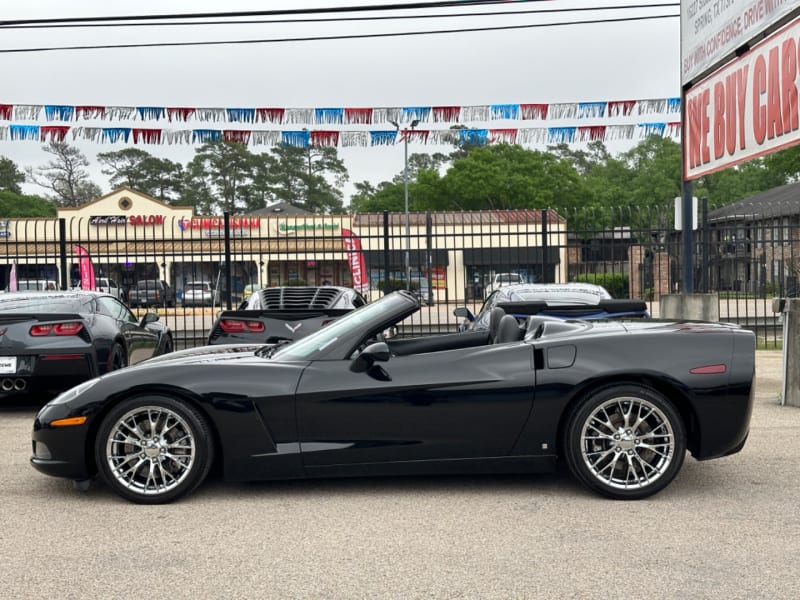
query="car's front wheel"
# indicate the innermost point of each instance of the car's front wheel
(154, 449)
(626, 442)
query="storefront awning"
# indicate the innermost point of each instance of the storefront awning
(417, 258)
(510, 256)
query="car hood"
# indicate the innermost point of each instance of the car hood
(223, 353)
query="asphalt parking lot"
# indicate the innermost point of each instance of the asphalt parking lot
(727, 528)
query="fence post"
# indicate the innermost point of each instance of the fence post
(228, 277)
(385, 253)
(62, 250)
(544, 246)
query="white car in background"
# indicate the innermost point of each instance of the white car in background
(503, 279)
(109, 286)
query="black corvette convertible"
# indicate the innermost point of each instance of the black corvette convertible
(51, 341)
(621, 402)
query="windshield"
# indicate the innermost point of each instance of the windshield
(359, 319)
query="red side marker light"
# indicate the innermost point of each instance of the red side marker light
(709, 370)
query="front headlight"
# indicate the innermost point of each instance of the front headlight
(73, 393)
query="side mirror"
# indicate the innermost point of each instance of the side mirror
(463, 312)
(149, 317)
(377, 352)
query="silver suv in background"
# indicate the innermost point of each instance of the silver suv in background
(199, 293)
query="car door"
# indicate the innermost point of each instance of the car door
(141, 343)
(455, 404)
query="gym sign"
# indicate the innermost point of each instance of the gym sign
(215, 226)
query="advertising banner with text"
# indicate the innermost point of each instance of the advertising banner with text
(712, 29)
(747, 109)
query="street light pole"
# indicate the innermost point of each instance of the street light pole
(411, 126)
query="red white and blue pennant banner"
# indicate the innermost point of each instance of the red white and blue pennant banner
(345, 116)
(342, 139)
(577, 128)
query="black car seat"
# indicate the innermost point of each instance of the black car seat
(495, 315)
(508, 330)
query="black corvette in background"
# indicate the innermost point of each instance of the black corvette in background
(622, 402)
(51, 341)
(279, 314)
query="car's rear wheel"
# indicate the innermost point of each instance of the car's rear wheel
(118, 358)
(626, 442)
(154, 449)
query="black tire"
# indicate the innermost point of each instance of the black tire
(169, 345)
(154, 449)
(117, 358)
(625, 442)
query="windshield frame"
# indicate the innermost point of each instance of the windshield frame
(339, 339)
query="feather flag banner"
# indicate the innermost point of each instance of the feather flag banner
(13, 286)
(86, 268)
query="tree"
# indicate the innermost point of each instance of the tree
(302, 176)
(219, 177)
(507, 176)
(10, 176)
(65, 176)
(140, 170)
(387, 196)
(17, 206)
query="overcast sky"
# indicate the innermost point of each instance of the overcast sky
(573, 63)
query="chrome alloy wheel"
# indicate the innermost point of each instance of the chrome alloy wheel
(627, 443)
(150, 450)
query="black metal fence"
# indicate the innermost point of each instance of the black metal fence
(453, 259)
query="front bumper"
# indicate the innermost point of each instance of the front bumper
(61, 451)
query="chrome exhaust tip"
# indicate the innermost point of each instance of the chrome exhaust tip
(20, 384)
(7, 385)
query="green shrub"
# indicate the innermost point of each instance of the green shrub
(397, 284)
(615, 283)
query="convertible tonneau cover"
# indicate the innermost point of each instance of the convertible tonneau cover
(610, 306)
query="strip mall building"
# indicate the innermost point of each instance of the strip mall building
(131, 236)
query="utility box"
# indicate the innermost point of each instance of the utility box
(790, 314)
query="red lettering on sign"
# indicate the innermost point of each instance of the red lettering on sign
(719, 120)
(705, 126)
(139, 220)
(697, 113)
(774, 117)
(788, 87)
(759, 109)
(741, 88)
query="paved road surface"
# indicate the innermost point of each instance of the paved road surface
(728, 528)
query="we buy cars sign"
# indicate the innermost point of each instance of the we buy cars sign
(747, 109)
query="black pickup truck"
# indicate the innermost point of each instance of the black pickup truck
(151, 292)
(276, 314)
